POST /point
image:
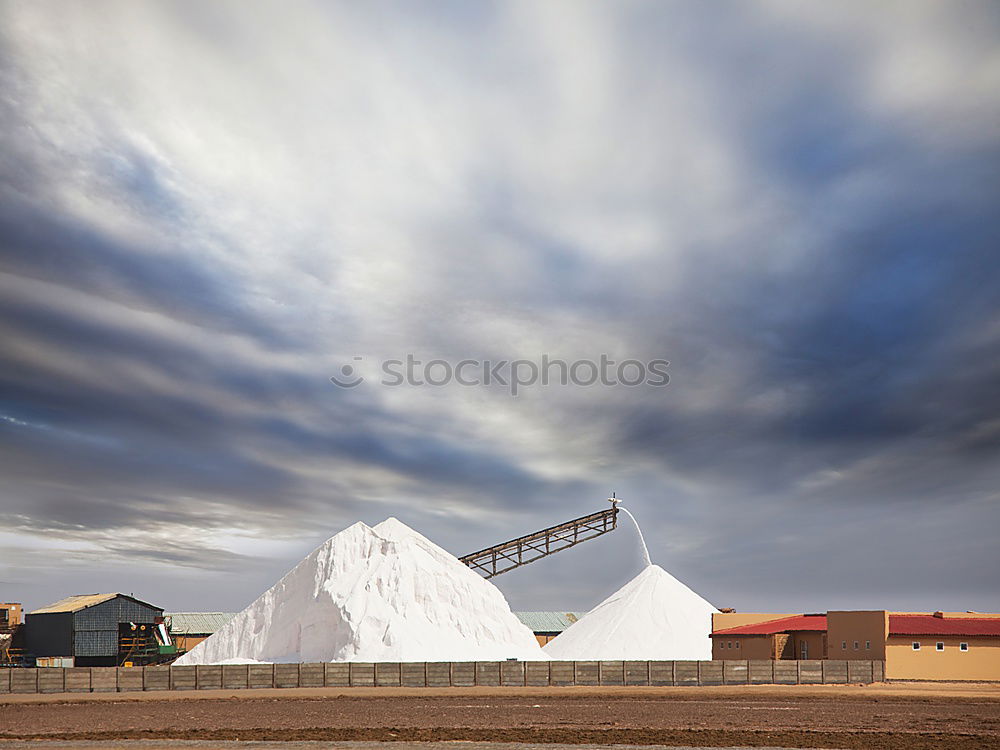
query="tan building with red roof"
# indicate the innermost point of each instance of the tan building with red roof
(914, 646)
(787, 637)
(943, 646)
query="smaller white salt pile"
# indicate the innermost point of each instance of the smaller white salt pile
(654, 616)
(382, 593)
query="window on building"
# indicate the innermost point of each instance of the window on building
(737, 644)
(939, 646)
(855, 645)
(916, 645)
(868, 645)
(963, 646)
(843, 645)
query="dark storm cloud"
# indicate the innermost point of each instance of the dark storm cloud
(188, 555)
(870, 334)
(174, 440)
(126, 442)
(42, 244)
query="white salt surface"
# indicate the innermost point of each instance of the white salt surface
(653, 616)
(382, 593)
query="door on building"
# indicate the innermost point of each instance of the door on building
(803, 649)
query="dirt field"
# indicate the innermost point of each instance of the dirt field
(907, 716)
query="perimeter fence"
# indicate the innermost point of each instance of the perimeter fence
(439, 674)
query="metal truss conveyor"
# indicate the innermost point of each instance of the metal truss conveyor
(501, 558)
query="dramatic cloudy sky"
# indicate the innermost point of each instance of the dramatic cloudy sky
(206, 209)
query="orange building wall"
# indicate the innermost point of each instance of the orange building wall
(863, 627)
(187, 642)
(13, 612)
(816, 643)
(750, 647)
(777, 646)
(980, 662)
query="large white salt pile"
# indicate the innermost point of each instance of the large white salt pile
(373, 594)
(653, 616)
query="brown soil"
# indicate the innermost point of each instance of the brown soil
(880, 717)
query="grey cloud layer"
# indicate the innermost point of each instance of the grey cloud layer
(203, 221)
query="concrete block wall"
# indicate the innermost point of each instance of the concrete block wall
(260, 675)
(182, 678)
(285, 675)
(512, 673)
(439, 674)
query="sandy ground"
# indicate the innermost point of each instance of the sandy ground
(908, 716)
(211, 745)
(914, 691)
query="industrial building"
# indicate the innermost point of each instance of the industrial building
(96, 630)
(547, 625)
(10, 616)
(10, 622)
(914, 645)
(188, 629)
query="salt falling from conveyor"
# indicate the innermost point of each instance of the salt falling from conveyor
(653, 616)
(642, 539)
(382, 593)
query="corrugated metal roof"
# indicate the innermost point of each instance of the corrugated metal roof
(548, 622)
(74, 603)
(79, 602)
(196, 623)
(931, 625)
(782, 625)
